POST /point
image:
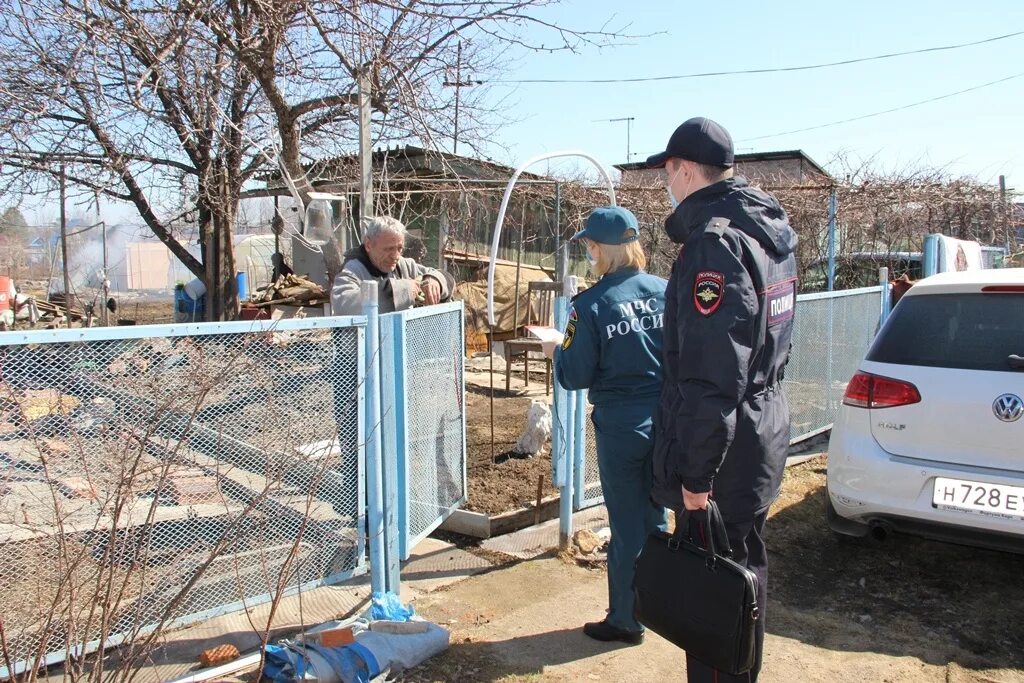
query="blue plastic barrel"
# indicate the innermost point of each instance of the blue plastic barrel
(243, 285)
(187, 309)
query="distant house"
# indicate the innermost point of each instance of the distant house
(766, 169)
(40, 249)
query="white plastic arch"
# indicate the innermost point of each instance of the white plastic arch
(504, 205)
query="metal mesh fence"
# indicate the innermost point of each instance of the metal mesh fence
(149, 476)
(429, 400)
(831, 335)
(592, 494)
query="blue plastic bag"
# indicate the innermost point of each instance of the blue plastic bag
(388, 607)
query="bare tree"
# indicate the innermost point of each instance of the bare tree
(180, 105)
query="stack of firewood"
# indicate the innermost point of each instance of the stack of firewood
(291, 289)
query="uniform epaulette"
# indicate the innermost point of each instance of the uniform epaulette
(716, 227)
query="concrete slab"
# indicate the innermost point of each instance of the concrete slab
(434, 564)
(534, 541)
(468, 523)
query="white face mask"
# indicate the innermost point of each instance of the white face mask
(591, 259)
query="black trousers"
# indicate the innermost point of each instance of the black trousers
(747, 541)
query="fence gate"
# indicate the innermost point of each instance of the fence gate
(155, 475)
(424, 416)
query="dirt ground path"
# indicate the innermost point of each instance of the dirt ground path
(901, 611)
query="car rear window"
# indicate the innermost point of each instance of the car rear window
(968, 331)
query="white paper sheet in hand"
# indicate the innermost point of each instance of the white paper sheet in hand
(549, 337)
(546, 334)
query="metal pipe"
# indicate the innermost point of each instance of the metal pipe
(374, 464)
(571, 427)
(579, 448)
(64, 243)
(504, 207)
(519, 267)
(560, 257)
(106, 279)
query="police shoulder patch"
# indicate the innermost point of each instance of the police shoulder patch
(708, 291)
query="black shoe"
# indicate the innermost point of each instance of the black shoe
(602, 630)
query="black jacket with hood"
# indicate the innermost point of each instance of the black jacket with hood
(722, 424)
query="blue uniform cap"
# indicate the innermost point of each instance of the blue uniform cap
(610, 225)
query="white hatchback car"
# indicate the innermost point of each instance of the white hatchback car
(930, 438)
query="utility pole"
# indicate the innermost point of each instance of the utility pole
(1002, 210)
(365, 152)
(458, 84)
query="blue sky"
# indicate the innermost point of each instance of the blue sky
(980, 133)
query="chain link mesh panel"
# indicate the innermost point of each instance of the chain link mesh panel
(435, 474)
(145, 480)
(592, 494)
(830, 338)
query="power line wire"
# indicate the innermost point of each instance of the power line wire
(886, 111)
(807, 67)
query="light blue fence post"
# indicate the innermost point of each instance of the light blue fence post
(886, 302)
(374, 468)
(396, 492)
(931, 255)
(561, 456)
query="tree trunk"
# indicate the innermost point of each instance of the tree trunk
(222, 286)
(216, 230)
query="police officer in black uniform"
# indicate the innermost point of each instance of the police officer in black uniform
(612, 347)
(722, 426)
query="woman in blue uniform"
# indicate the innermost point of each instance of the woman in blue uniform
(612, 347)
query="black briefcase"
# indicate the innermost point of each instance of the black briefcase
(698, 598)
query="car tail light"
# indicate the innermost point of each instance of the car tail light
(1005, 289)
(872, 391)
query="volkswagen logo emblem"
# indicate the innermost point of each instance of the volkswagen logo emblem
(1008, 407)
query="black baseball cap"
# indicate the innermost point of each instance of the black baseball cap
(700, 140)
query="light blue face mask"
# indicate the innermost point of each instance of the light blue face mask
(672, 198)
(591, 260)
(668, 188)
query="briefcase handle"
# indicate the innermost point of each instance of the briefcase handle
(715, 541)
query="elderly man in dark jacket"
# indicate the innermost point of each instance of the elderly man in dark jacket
(400, 280)
(722, 425)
